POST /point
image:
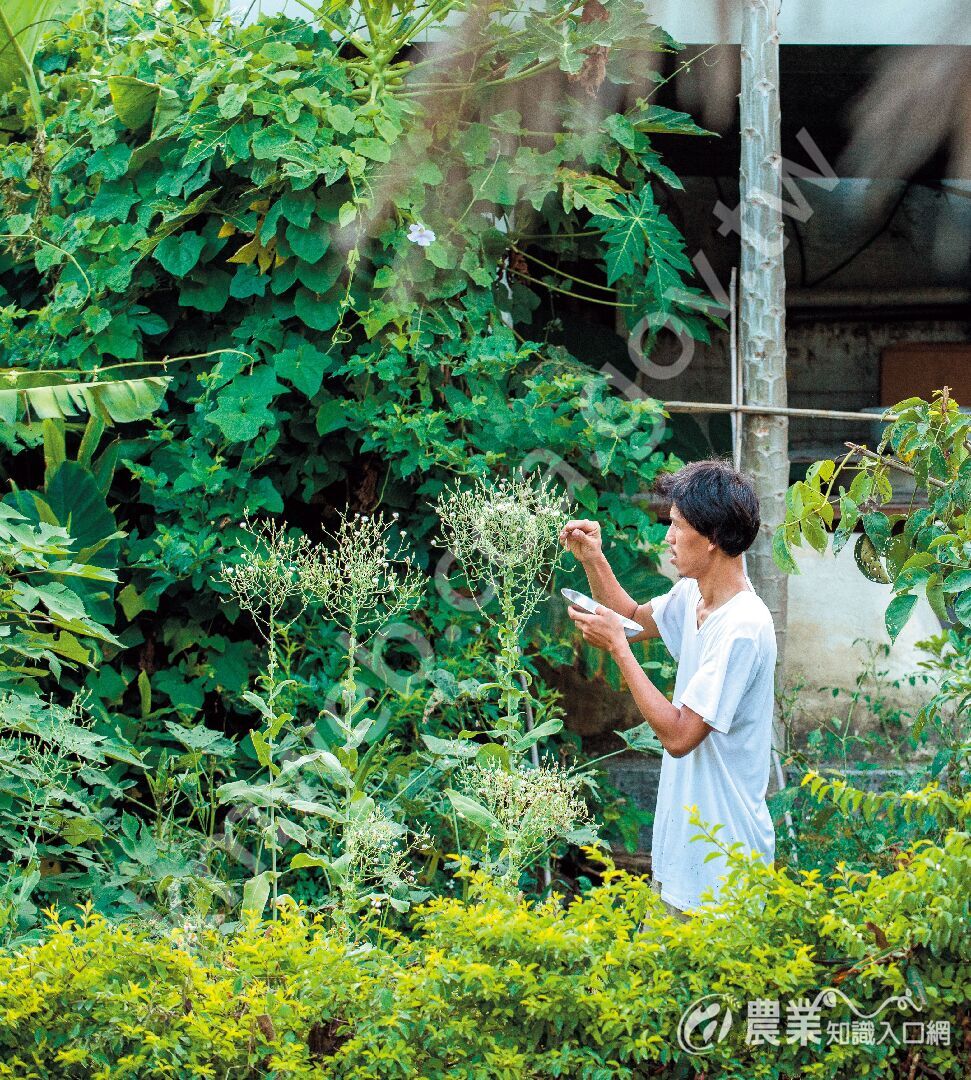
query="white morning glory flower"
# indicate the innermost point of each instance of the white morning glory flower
(418, 234)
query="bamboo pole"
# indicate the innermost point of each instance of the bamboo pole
(773, 410)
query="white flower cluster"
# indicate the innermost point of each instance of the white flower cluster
(533, 806)
(270, 575)
(505, 536)
(359, 579)
(377, 850)
(510, 523)
(355, 576)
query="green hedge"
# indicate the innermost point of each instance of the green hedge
(493, 987)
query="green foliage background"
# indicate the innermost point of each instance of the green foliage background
(227, 211)
(230, 193)
(240, 199)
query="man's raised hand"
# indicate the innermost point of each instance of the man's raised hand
(582, 539)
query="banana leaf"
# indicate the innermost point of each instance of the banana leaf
(116, 401)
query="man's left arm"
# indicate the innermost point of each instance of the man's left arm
(680, 730)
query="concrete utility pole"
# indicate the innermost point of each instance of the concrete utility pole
(762, 310)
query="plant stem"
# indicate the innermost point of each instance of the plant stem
(328, 24)
(563, 273)
(567, 292)
(892, 463)
(27, 69)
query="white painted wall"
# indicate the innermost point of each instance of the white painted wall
(831, 607)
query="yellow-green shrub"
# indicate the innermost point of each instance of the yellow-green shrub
(496, 988)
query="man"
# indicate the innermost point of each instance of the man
(717, 729)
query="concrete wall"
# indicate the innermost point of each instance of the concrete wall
(834, 613)
(824, 22)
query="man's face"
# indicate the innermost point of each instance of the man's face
(691, 552)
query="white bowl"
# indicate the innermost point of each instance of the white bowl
(581, 600)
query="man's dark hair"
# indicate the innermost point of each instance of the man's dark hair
(716, 500)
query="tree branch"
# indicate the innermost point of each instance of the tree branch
(893, 463)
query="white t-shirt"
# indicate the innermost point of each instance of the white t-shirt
(726, 674)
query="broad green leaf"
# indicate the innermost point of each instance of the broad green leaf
(291, 829)
(898, 612)
(134, 100)
(231, 100)
(321, 276)
(659, 120)
(841, 535)
(243, 405)
(259, 703)
(474, 812)
(586, 495)
(782, 553)
(957, 581)
(549, 727)
(878, 528)
(645, 237)
(454, 748)
(201, 739)
(814, 532)
(962, 607)
(133, 603)
(303, 861)
(584, 836)
(331, 416)
(642, 738)
(935, 597)
(823, 469)
(588, 191)
(120, 401)
(315, 311)
(262, 748)
(59, 600)
(243, 791)
(309, 244)
(868, 561)
(340, 118)
(79, 830)
(256, 892)
(180, 252)
(304, 366)
(175, 221)
(307, 806)
(325, 761)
